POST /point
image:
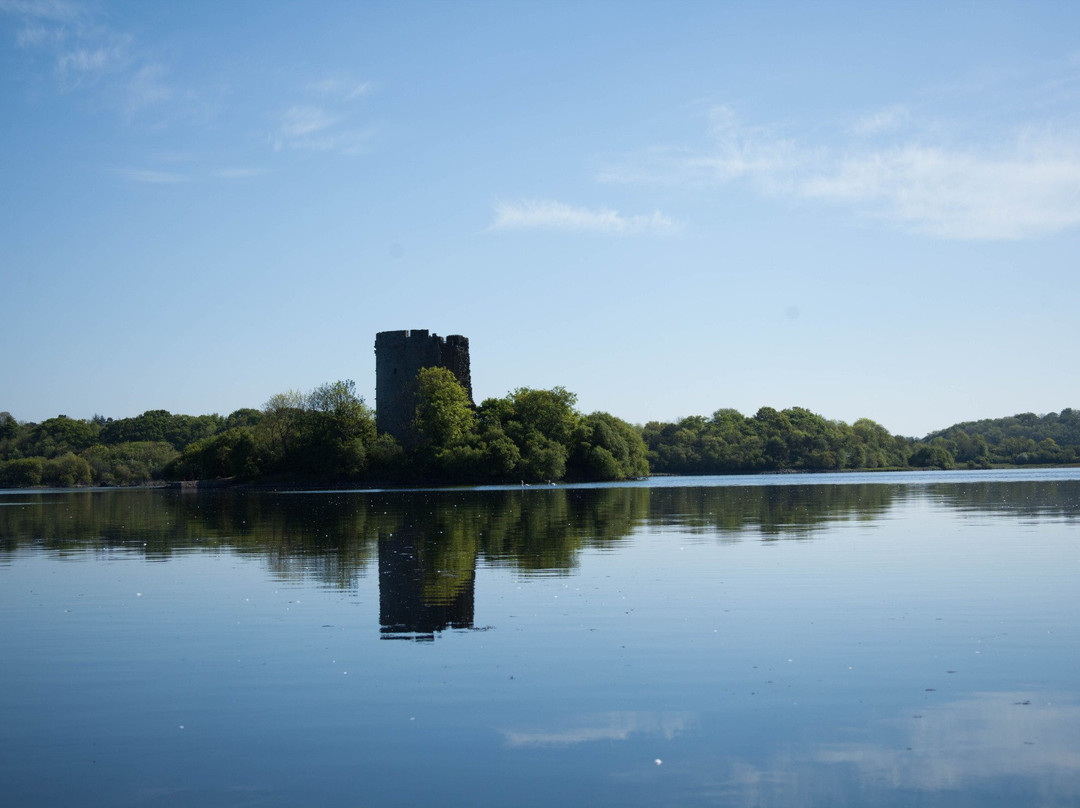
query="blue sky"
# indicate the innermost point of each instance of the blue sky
(865, 209)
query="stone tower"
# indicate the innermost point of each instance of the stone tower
(399, 356)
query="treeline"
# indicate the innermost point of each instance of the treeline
(64, 451)
(329, 434)
(529, 435)
(796, 439)
(1019, 440)
(772, 440)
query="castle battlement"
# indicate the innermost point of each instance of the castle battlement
(399, 356)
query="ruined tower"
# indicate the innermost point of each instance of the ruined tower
(399, 356)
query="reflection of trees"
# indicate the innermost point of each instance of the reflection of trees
(333, 538)
(776, 511)
(543, 530)
(1027, 498)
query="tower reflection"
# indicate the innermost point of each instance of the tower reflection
(418, 596)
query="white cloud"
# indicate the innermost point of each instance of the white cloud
(341, 87)
(82, 50)
(300, 121)
(53, 10)
(238, 173)
(147, 89)
(328, 124)
(956, 194)
(887, 119)
(545, 214)
(33, 35)
(153, 177)
(736, 152)
(1022, 186)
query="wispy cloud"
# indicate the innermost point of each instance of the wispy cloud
(93, 55)
(1028, 190)
(238, 173)
(888, 119)
(153, 177)
(341, 87)
(72, 46)
(327, 119)
(300, 122)
(147, 88)
(736, 151)
(1019, 186)
(52, 10)
(85, 53)
(546, 214)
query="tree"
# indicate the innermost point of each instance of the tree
(21, 473)
(339, 430)
(541, 425)
(231, 453)
(65, 471)
(60, 435)
(246, 416)
(932, 456)
(9, 427)
(444, 415)
(134, 463)
(162, 425)
(283, 416)
(608, 448)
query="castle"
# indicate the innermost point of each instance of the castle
(399, 356)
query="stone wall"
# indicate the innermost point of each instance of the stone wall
(399, 356)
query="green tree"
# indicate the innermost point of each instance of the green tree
(932, 456)
(444, 415)
(60, 435)
(541, 424)
(608, 448)
(231, 453)
(134, 463)
(65, 471)
(24, 472)
(339, 430)
(246, 416)
(280, 428)
(9, 427)
(162, 425)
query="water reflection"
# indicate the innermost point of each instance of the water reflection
(425, 586)
(1042, 498)
(775, 512)
(996, 748)
(427, 544)
(618, 726)
(650, 649)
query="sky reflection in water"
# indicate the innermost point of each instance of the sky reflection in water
(807, 643)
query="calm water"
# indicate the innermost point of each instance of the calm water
(826, 640)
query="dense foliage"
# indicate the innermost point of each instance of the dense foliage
(64, 451)
(1019, 440)
(771, 440)
(529, 435)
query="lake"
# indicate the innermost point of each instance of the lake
(795, 640)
